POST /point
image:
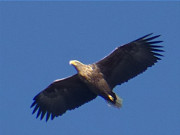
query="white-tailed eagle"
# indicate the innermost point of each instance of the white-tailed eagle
(98, 79)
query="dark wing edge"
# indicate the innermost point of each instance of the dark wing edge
(60, 96)
(129, 60)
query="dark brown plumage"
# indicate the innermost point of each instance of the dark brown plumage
(98, 79)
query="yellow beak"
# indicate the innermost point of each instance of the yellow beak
(72, 62)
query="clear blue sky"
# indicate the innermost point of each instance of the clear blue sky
(37, 40)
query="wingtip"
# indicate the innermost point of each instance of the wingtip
(147, 35)
(148, 39)
(32, 104)
(143, 37)
(47, 116)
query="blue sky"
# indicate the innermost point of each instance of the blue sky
(37, 40)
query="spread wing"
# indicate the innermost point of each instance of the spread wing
(60, 96)
(129, 60)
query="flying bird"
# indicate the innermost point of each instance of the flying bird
(98, 79)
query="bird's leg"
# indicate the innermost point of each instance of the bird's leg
(111, 98)
(114, 100)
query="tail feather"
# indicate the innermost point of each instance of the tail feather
(118, 102)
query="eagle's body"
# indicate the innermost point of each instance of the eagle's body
(98, 79)
(93, 77)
